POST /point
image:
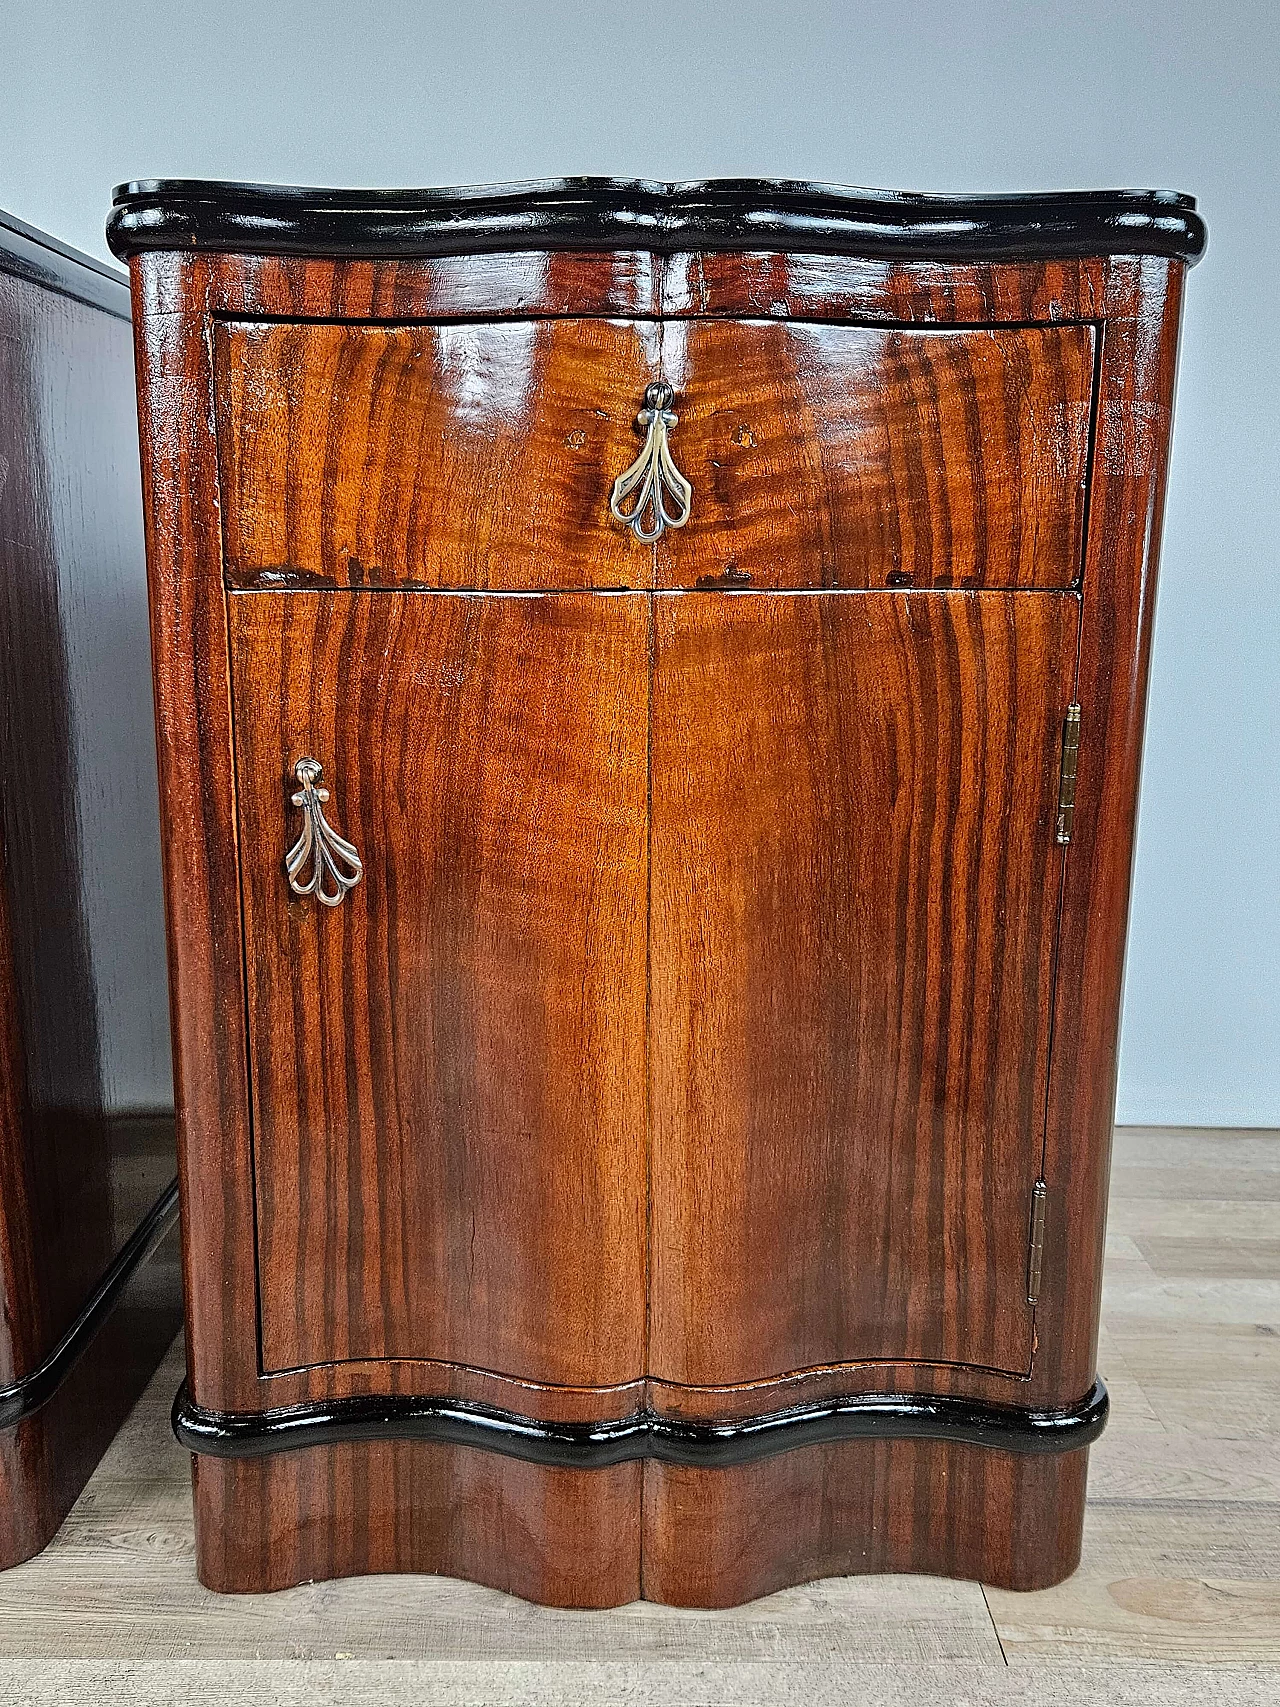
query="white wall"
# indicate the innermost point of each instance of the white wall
(1004, 95)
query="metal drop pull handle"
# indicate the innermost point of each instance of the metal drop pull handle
(319, 851)
(653, 477)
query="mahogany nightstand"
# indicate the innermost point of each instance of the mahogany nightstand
(650, 686)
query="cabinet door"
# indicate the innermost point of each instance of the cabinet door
(448, 1068)
(855, 892)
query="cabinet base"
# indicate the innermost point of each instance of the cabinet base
(559, 1537)
(675, 1534)
(56, 1423)
(716, 1538)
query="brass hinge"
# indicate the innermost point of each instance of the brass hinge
(1067, 775)
(1039, 1192)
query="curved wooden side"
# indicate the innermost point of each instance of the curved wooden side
(575, 1538)
(82, 1394)
(718, 1538)
(559, 1537)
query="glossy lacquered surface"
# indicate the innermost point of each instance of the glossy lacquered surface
(721, 1537)
(86, 1136)
(644, 1434)
(27, 1396)
(468, 1034)
(481, 456)
(616, 213)
(39, 259)
(849, 456)
(755, 823)
(826, 798)
(442, 456)
(854, 908)
(680, 1536)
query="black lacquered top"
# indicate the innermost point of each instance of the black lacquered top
(616, 213)
(43, 260)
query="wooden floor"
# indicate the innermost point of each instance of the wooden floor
(1181, 1561)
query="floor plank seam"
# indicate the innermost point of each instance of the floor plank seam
(995, 1628)
(1184, 1502)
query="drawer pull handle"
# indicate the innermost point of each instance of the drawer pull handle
(653, 478)
(319, 851)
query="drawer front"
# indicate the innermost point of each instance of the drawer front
(853, 456)
(452, 456)
(483, 456)
(448, 1066)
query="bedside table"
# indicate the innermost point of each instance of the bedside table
(650, 685)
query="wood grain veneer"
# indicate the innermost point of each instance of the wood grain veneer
(880, 1000)
(86, 1133)
(719, 1537)
(439, 456)
(855, 905)
(568, 1537)
(481, 456)
(435, 1053)
(854, 456)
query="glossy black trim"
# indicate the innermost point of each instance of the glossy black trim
(30, 254)
(644, 1434)
(27, 1395)
(612, 213)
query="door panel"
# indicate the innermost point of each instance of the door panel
(430, 456)
(854, 896)
(860, 456)
(449, 1067)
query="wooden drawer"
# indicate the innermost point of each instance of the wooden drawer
(429, 456)
(858, 456)
(482, 456)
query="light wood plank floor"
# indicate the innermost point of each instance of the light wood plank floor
(1181, 1566)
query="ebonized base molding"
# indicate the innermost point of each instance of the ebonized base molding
(58, 1420)
(643, 1434)
(646, 1506)
(25, 1397)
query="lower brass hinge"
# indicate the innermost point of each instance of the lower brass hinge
(1067, 775)
(1039, 1192)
